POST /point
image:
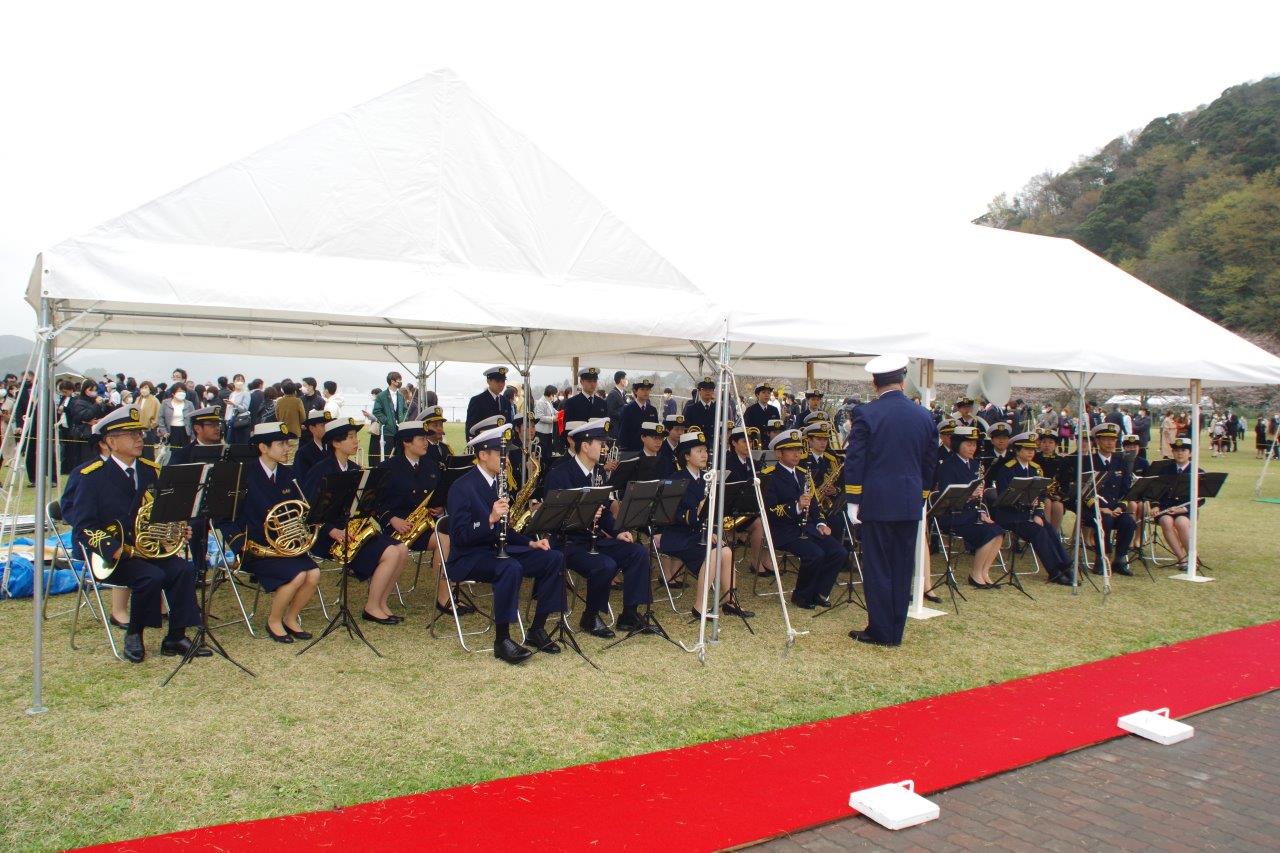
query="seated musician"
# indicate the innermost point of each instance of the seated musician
(981, 535)
(379, 559)
(945, 428)
(617, 549)
(311, 446)
(686, 539)
(108, 494)
(652, 437)
(1175, 520)
(796, 525)
(1112, 479)
(477, 516)
(1131, 445)
(206, 431)
(825, 467)
(290, 578)
(667, 462)
(999, 435)
(409, 482)
(433, 421)
(741, 468)
(1051, 463)
(1029, 523)
(771, 430)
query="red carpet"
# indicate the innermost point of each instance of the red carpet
(726, 793)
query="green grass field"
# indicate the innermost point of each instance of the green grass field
(117, 756)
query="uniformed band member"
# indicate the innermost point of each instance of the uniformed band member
(700, 412)
(771, 430)
(491, 401)
(812, 403)
(821, 462)
(945, 429)
(1112, 478)
(206, 431)
(433, 422)
(998, 435)
(617, 549)
(586, 405)
(475, 514)
(1052, 464)
(380, 560)
(963, 415)
(667, 462)
(741, 468)
(686, 538)
(763, 410)
(796, 524)
(311, 446)
(111, 491)
(889, 466)
(1175, 520)
(411, 478)
(292, 581)
(635, 413)
(1132, 447)
(652, 437)
(974, 525)
(1029, 523)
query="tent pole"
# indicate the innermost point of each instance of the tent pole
(526, 367)
(917, 609)
(808, 375)
(422, 379)
(40, 387)
(1078, 548)
(1193, 509)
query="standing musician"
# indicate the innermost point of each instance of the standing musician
(617, 550)
(477, 517)
(1112, 477)
(311, 447)
(1175, 521)
(700, 412)
(1030, 525)
(409, 482)
(825, 468)
(1053, 466)
(109, 493)
(491, 401)
(999, 435)
(617, 396)
(796, 524)
(667, 462)
(963, 414)
(685, 538)
(889, 467)
(291, 579)
(652, 437)
(438, 451)
(206, 431)
(585, 405)
(763, 410)
(741, 469)
(380, 559)
(812, 404)
(635, 413)
(974, 524)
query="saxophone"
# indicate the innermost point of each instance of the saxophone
(826, 503)
(419, 521)
(521, 507)
(359, 531)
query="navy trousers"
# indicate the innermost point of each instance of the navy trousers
(174, 576)
(821, 559)
(545, 567)
(600, 569)
(1124, 526)
(888, 565)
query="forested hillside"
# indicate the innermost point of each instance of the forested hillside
(1189, 204)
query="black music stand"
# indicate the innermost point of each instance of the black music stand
(583, 515)
(1141, 490)
(642, 503)
(182, 495)
(627, 471)
(1020, 495)
(224, 490)
(344, 497)
(1179, 492)
(952, 501)
(559, 512)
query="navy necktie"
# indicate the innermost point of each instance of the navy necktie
(133, 479)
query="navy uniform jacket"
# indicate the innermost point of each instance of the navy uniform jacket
(686, 531)
(568, 475)
(439, 453)
(103, 495)
(404, 487)
(891, 457)
(820, 466)
(702, 415)
(580, 407)
(309, 453)
(615, 402)
(1118, 478)
(781, 491)
(634, 414)
(311, 487)
(666, 465)
(759, 416)
(1006, 474)
(485, 405)
(739, 470)
(73, 482)
(471, 536)
(1049, 464)
(955, 469)
(182, 455)
(1140, 466)
(263, 495)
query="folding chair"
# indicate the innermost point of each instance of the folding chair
(463, 591)
(88, 589)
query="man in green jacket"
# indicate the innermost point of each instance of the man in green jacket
(390, 410)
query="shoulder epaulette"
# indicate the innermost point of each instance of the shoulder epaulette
(152, 463)
(768, 469)
(1035, 466)
(91, 467)
(1010, 463)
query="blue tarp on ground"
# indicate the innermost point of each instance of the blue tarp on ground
(22, 574)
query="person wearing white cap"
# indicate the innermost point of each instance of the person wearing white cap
(586, 405)
(1113, 476)
(1031, 525)
(311, 447)
(1175, 519)
(206, 431)
(740, 469)
(675, 427)
(888, 471)
(476, 516)
(380, 559)
(973, 523)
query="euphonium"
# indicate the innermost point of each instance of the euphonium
(286, 530)
(420, 521)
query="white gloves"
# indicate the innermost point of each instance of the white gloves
(851, 510)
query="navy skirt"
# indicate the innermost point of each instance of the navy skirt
(684, 548)
(364, 561)
(274, 572)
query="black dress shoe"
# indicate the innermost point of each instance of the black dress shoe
(1062, 579)
(133, 651)
(286, 637)
(463, 609)
(541, 640)
(934, 599)
(629, 622)
(390, 620)
(1121, 567)
(510, 651)
(806, 605)
(597, 628)
(864, 637)
(297, 635)
(734, 609)
(182, 645)
(676, 584)
(116, 623)
(823, 601)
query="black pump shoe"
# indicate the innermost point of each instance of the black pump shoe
(286, 637)
(297, 635)
(390, 620)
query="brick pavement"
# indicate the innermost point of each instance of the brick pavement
(1218, 790)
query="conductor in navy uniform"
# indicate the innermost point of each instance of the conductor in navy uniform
(888, 471)
(490, 401)
(586, 405)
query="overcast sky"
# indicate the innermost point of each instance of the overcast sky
(687, 119)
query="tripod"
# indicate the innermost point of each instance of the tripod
(342, 617)
(849, 589)
(204, 638)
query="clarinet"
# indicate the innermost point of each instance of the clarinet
(597, 479)
(504, 522)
